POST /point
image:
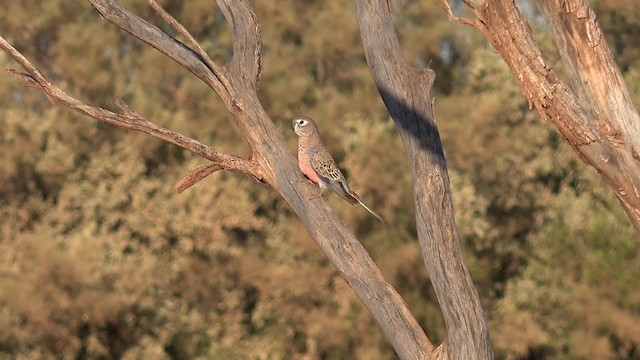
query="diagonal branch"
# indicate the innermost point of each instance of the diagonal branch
(194, 175)
(588, 59)
(215, 69)
(129, 119)
(599, 85)
(215, 78)
(596, 117)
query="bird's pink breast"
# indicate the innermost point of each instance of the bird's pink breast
(305, 166)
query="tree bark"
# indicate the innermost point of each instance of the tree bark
(596, 115)
(406, 93)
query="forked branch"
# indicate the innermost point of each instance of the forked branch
(476, 23)
(214, 76)
(219, 71)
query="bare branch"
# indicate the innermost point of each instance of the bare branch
(30, 80)
(598, 120)
(215, 77)
(447, 8)
(129, 119)
(601, 89)
(587, 57)
(217, 70)
(241, 75)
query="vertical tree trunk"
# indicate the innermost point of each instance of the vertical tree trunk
(407, 95)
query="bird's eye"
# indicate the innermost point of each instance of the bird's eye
(302, 122)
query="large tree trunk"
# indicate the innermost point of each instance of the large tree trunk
(406, 93)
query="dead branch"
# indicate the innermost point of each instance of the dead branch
(220, 72)
(588, 58)
(214, 77)
(128, 119)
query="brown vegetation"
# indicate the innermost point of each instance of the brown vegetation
(99, 258)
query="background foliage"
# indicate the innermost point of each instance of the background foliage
(99, 258)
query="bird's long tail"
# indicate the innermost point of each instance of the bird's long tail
(342, 189)
(356, 197)
(372, 212)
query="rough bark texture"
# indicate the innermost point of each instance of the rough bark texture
(596, 115)
(271, 160)
(406, 93)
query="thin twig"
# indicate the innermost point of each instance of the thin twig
(30, 80)
(447, 8)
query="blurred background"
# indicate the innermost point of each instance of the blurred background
(100, 259)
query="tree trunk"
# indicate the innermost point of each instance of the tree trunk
(406, 93)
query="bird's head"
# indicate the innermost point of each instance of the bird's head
(304, 126)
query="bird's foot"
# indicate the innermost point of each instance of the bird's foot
(316, 197)
(313, 185)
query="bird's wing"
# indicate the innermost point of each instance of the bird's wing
(329, 173)
(323, 164)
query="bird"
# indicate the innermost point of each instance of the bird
(317, 164)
